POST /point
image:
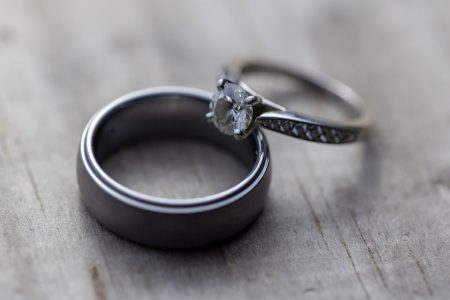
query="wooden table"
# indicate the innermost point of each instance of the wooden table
(363, 221)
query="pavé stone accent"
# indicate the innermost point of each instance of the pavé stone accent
(315, 133)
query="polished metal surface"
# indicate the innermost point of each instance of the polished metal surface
(175, 112)
(272, 116)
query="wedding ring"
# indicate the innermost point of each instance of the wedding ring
(162, 112)
(236, 109)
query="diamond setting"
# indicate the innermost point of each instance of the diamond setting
(231, 109)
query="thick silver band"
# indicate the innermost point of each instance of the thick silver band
(295, 124)
(161, 222)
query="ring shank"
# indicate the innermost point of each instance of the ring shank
(300, 125)
(161, 222)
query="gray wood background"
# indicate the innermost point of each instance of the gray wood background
(363, 221)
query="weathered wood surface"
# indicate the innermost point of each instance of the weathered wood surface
(364, 221)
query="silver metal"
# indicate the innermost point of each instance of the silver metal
(161, 222)
(209, 116)
(272, 116)
(252, 100)
(221, 83)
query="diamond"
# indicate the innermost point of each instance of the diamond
(230, 112)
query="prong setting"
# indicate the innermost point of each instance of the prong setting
(209, 116)
(228, 99)
(221, 83)
(238, 134)
(252, 100)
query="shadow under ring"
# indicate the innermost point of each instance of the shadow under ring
(174, 112)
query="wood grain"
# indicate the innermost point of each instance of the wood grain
(363, 221)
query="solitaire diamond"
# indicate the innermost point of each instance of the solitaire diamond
(231, 113)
